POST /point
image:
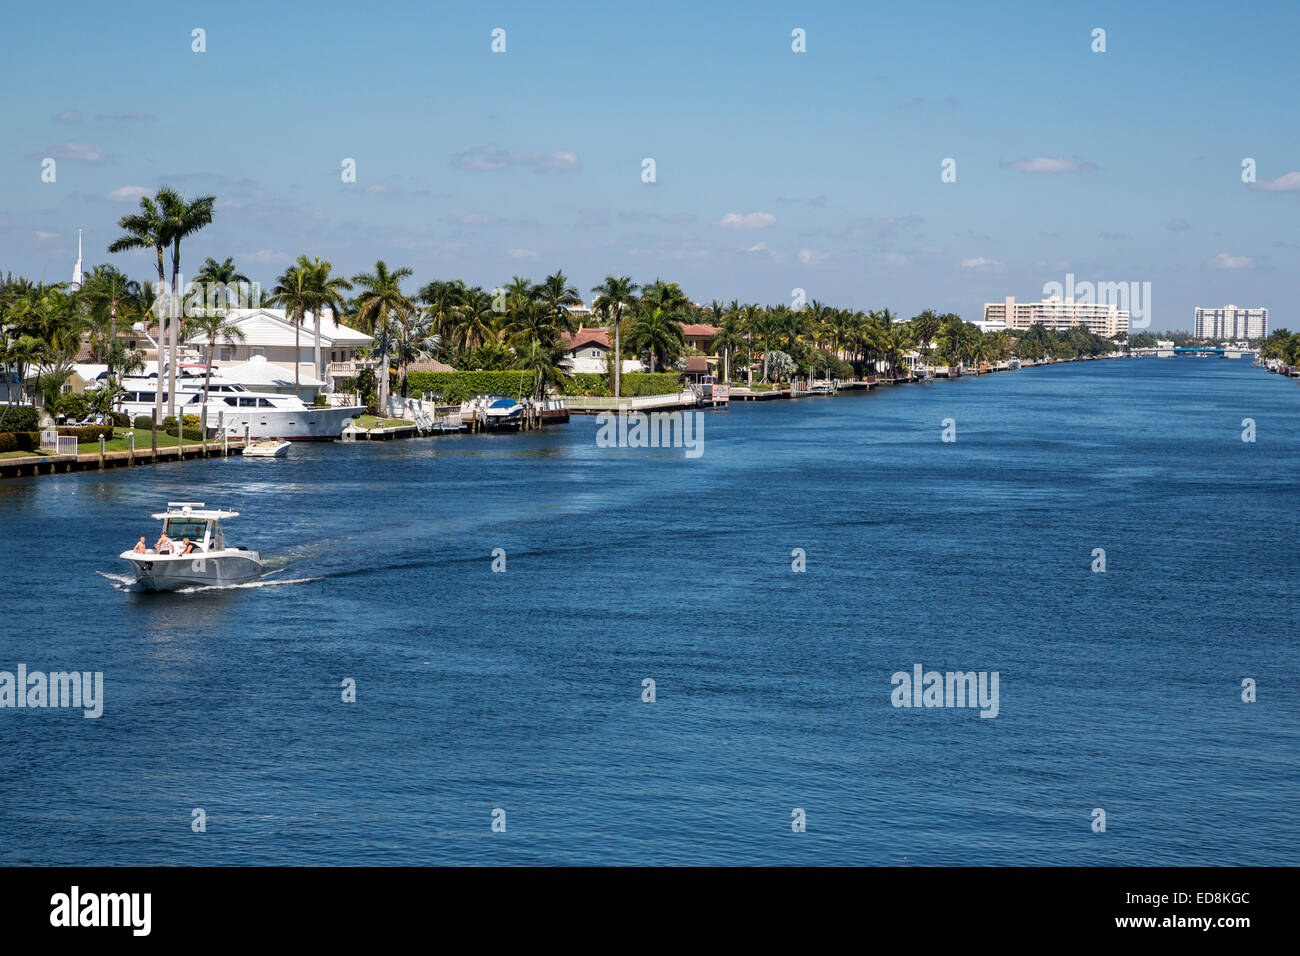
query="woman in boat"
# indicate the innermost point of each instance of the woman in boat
(187, 547)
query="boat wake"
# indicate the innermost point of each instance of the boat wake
(124, 583)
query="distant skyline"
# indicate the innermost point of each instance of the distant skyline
(774, 170)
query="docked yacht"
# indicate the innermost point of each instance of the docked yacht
(231, 407)
(210, 562)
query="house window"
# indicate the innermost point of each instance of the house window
(305, 356)
(258, 350)
(226, 353)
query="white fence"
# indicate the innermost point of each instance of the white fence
(59, 444)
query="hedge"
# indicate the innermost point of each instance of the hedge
(20, 418)
(458, 386)
(632, 384)
(19, 441)
(143, 422)
(87, 433)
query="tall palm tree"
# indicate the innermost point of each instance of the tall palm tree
(184, 218)
(727, 339)
(379, 302)
(327, 290)
(294, 293)
(150, 229)
(613, 296)
(416, 341)
(556, 295)
(654, 331)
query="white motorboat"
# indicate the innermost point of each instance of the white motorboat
(231, 407)
(209, 562)
(500, 411)
(267, 448)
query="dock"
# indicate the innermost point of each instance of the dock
(95, 461)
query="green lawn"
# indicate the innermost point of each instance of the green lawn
(370, 421)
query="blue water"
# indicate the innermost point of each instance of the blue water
(522, 691)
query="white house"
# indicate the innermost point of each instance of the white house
(269, 334)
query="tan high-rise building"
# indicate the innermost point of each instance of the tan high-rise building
(1056, 313)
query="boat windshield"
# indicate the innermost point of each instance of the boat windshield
(181, 528)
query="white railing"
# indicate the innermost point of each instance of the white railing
(686, 397)
(61, 445)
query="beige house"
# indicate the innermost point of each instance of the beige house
(269, 334)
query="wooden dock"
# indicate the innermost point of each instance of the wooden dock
(57, 464)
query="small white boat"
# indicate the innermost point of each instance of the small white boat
(209, 562)
(267, 448)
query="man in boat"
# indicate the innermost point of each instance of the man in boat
(164, 545)
(140, 546)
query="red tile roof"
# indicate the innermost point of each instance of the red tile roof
(584, 336)
(700, 330)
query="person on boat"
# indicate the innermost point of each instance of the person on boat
(187, 546)
(164, 545)
(140, 546)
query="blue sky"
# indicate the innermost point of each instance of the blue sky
(775, 170)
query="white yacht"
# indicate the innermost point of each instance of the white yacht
(232, 406)
(209, 563)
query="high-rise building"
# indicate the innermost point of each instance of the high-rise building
(1056, 313)
(1231, 322)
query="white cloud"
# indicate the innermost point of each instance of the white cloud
(46, 235)
(81, 152)
(492, 157)
(1050, 164)
(67, 116)
(128, 193)
(980, 262)
(522, 253)
(1225, 261)
(1286, 183)
(809, 256)
(758, 247)
(747, 220)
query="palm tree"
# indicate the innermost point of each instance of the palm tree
(214, 327)
(556, 295)
(727, 338)
(379, 302)
(655, 332)
(327, 291)
(184, 218)
(295, 292)
(416, 341)
(150, 229)
(108, 291)
(613, 296)
(222, 276)
(548, 363)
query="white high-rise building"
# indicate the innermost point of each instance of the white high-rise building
(1231, 322)
(1056, 313)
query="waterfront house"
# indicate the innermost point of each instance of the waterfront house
(698, 337)
(270, 334)
(588, 349)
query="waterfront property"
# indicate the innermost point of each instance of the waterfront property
(1230, 322)
(1054, 312)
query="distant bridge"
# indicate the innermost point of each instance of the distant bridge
(1204, 350)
